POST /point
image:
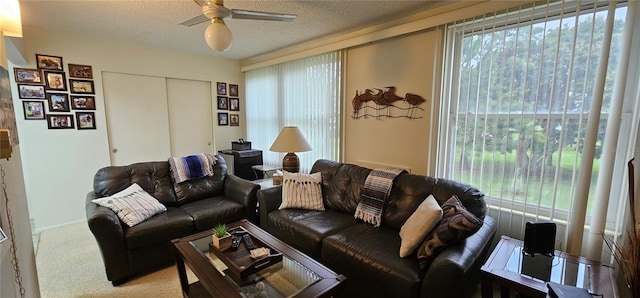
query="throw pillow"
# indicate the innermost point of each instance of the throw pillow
(302, 191)
(457, 223)
(191, 167)
(133, 205)
(419, 224)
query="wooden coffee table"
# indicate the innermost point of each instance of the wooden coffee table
(505, 267)
(296, 276)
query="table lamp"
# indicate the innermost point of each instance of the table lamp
(290, 140)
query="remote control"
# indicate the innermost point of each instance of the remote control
(235, 242)
(248, 241)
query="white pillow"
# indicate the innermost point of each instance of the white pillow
(302, 191)
(132, 205)
(418, 225)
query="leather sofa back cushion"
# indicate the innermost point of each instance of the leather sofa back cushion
(205, 187)
(342, 185)
(152, 176)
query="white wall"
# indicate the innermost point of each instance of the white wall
(59, 165)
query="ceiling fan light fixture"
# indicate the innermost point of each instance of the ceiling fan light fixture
(218, 36)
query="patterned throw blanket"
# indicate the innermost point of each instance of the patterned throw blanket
(192, 166)
(374, 196)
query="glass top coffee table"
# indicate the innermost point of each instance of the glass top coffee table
(297, 275)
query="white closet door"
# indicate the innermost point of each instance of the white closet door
(137, 121)
(190, 117)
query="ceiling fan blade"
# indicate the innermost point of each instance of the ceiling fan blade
(195, 21)
(260, 15)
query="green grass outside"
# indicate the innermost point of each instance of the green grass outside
(497, 178)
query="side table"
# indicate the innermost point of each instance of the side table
(264, 184)
(264, 170)
(505, 266)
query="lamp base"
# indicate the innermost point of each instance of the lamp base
(291, 163)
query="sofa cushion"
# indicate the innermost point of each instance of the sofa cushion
(207, 213)
(307, 237)
(163, 227)
(132, 205)
(341, 184)
(456, 224)
(370, 255)
(301, 191)
(202, 188)
(419, 224)
(153, 177)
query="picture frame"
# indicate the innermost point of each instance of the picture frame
(33, 110)
(58, 102)
(83, 102)
(60, 121)
(27, 75)
(223, 119)
(54, 80)
(233, 90)
(234, 104)
(86, 120)
(234, 119)
(80, 71)
(222, 88)
(81, 86)
(223, 103)
(49, 62)
(31, 91)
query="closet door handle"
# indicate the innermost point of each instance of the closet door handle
(114, 150)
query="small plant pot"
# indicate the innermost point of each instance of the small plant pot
(222, 243)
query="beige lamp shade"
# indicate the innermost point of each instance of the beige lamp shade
(290, 140)
(10, 23)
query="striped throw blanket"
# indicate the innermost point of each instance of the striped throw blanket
(375, 193)
(192, 166)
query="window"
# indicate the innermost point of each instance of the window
(522, 84)
(303, 93)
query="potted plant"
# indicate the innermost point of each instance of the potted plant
(222, 240)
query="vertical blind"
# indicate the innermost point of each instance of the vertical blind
(515, 119)
(303, 93)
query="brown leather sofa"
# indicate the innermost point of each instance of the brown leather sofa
(369, 256)
(192, 206)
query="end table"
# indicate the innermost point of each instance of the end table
(505, 268)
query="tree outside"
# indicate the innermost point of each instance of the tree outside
(523, 104)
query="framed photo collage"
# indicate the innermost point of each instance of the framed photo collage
(228, 100)
(47, 93)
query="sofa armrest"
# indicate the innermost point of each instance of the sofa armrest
(455, 271)
(269, 199)
(244, 192)
(107, 229)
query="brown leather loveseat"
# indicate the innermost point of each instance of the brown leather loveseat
(368, 255)
(192, 206)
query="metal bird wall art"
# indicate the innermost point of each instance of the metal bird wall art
(386, 104)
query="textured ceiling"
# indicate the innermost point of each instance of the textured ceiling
(155, 22)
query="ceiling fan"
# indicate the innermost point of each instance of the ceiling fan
(218, 36)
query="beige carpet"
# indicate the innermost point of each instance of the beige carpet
(70, 265)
